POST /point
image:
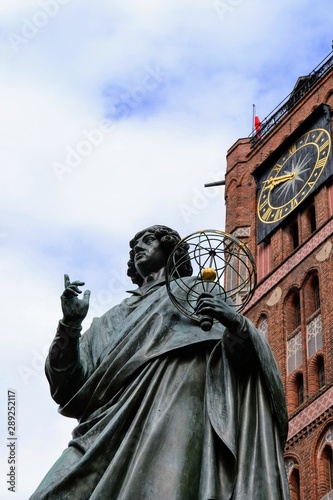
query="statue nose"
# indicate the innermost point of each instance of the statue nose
(138, 248)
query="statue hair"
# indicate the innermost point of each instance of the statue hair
(168, 239)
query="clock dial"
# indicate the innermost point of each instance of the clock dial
(294, 176)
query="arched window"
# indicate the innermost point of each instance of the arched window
(311, 294)
(237, 272)
(264, 259)
(292, 314)
(325, 466)
(326, 470)
(294, 352)
(314, 332)
(312, 314)
(300, 389)
(295, 233)
(312, 218)
(292, 311)
(297, 307)
(309, 224)
(316, 292)
(263, 325)
(292, 471)
(294, 485)
(316, 373)
(290, 237)
(295, 391)
(320, 372)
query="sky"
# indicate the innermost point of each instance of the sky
(113, 117)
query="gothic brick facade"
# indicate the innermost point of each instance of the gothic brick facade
(293, 302)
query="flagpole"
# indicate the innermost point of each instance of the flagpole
(253, 115)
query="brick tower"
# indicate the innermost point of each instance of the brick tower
(279, 201)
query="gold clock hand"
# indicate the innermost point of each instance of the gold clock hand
(275, 181)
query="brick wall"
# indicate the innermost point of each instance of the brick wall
(294, 268)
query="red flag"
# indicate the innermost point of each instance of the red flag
(257, 126)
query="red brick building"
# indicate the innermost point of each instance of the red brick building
(279, 201)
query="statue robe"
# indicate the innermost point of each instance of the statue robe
(166, 411)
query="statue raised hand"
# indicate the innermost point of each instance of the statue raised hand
(74, 309)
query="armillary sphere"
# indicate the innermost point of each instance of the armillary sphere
(222, 265)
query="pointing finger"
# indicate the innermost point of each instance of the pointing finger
(86, 295)
(74, 288)
(66, 280)
(78, 283)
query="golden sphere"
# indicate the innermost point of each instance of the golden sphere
(208, 274)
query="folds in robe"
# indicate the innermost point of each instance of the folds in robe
(168, 411)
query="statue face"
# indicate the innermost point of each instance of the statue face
(149, 256)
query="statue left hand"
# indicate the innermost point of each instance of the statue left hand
(214, 306)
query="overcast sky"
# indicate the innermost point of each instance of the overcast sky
(113, 117)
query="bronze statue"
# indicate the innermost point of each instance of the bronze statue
(165, 410)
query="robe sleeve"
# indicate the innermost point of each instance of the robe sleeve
(65, 365)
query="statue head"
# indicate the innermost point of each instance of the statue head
(168, 239)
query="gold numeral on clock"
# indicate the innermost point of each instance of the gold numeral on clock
(323, 146)
(307, 137)
(278, 215)
(320, 163)
(292, 149)
(293, 204)
(319, 136)
(276, 168)
(263, 204)
(266, 214)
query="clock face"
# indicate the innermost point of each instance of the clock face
(294, 176)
